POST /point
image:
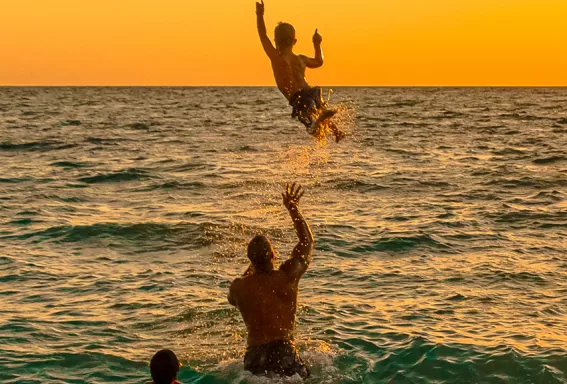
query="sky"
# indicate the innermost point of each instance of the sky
(206, 42)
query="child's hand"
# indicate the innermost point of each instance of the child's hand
(260, 8)
(317, 39)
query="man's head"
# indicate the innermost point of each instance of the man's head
(284, 35)
(164, 367)
(261, 253)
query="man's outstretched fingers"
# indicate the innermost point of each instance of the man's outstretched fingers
(297, 191)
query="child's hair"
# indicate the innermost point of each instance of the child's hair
(164, 367)
(284, 35)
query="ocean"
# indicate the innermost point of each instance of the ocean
(440, 229)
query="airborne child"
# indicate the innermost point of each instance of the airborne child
(289, 72)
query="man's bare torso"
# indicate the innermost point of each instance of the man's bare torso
(289, 72)
(268, 302)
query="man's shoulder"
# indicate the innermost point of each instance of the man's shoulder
(257, 280)
(238, 281)
(242, 282)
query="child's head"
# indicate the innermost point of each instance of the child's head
(164, 367)
(284, 35)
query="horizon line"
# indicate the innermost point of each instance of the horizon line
(272, 86)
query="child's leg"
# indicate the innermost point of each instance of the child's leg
(308, 117)
(336, 131)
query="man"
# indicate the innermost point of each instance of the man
(267, 298)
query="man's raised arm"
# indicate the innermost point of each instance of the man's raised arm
(266, 43)
(301, 256)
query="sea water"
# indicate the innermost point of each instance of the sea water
(440, 226)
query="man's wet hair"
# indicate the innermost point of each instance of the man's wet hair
(284, 35)
(164, 367)
(260, 252)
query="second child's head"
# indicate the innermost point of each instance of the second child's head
(164, 367)
(284, 36)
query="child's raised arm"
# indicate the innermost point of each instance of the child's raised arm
(266, 43)
(317, 61)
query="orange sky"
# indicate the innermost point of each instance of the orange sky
(366, 42)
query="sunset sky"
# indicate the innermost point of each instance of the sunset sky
(365, 42)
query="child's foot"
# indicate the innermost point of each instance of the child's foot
(339, 136)
(319, 124)
(327, 113)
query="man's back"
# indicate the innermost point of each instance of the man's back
(268, 302)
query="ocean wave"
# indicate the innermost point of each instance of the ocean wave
(130, 174)
(98, 140)
(423, 361)
(404, 151)
(435, 183)
(401, 244)
(552, 225)
(174, 185)
(25, 221)
(528, 216)
(357, 185)
(70, 164)
(550, 159)
(15, 180)
(139, 126)
(399, 104)
(37, 146)
(386, 243)
(73, 123)
(520, 116)
(247, 148)
(5, 260)
(509, 151)
(186, 234)
(554, 196)
(450, 115)
(529, 182)
(87, 367)
(497, 276)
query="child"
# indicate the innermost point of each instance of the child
(289, 72)
(164, 367)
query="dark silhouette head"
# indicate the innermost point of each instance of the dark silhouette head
(284, 35)
(261, 253)
(164, 367)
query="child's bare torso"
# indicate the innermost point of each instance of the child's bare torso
(289, 72)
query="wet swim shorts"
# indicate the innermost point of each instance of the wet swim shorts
(303, 102)
(279, 357)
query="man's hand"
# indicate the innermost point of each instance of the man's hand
(260, 8)
(301, 256)
(317, 39)
(291, 196)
